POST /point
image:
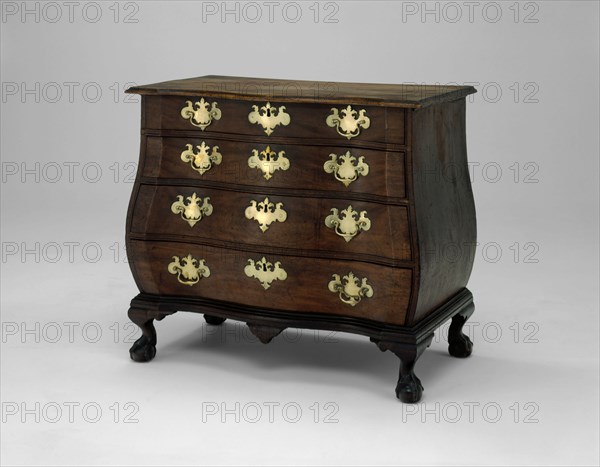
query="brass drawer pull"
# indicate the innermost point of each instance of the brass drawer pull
(269, 117)
(268, 161)
(348, 169)
(193, 210)
(350, 124)
(265, 213)
(265, 271)
(350, 288)
(199, 113)
(201, 161)
(349, 224)
(188, 269)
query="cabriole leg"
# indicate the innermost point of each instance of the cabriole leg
(409, 388)
(144, 349)
(459, 345)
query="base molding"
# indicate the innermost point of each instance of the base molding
(406, 342)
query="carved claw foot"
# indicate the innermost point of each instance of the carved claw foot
(459, 345)
(214, 320)
(143, 350)
(409, 388)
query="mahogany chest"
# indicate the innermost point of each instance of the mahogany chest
(279, 203)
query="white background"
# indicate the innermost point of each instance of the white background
(532, 381)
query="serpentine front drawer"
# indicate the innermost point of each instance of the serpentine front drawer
(357, 229)
(270, 118)
(280, 282)
(348, 171)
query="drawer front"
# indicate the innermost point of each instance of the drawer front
(352, 122)
(284, 282)
(330, 168)
(361, 228)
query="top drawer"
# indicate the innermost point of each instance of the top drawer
(263, 118)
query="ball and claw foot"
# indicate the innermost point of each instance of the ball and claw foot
(459, 345)
(214, 320)
(409, 389)
(142, 350)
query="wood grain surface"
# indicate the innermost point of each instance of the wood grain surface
(306, 120)
(409, 95)
(443, 204)
(304, 228)
(385, 180)
(304, 290)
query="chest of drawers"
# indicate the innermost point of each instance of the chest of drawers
(334, 206)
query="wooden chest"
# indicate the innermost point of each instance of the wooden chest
(278, 203)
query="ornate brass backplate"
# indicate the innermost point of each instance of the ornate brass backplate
(193, 209)
(346, 169)
(350, 124)
(201, 161)
(349, 223)
(188, 269)
(265, 213)
(265, 271)
(350, 288)
(268, 161)
(269, 117)
(199, 114)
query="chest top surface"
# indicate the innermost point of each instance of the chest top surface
(232, 87)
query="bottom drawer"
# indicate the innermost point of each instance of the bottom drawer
(289, 283)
